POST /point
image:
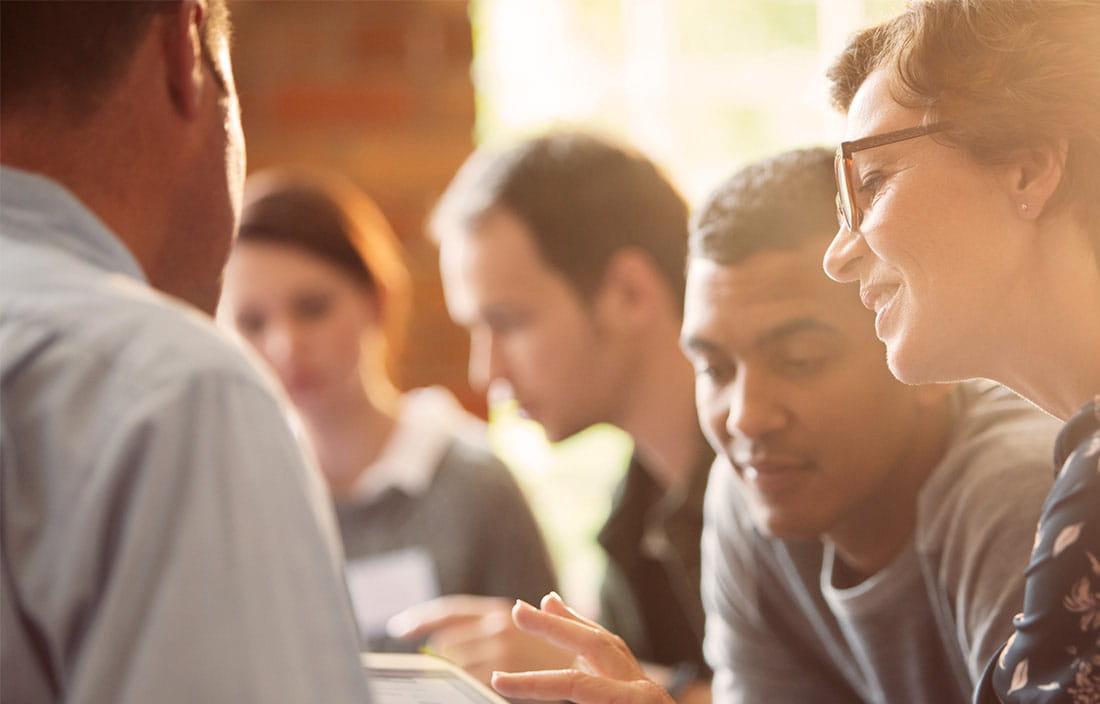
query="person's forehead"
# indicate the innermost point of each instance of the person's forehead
(749, 302)
(260, 254)
(268, 270)
(499, 244)
(874, 109)
(498, 263)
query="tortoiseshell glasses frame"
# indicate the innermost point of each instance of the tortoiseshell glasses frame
(848, 213)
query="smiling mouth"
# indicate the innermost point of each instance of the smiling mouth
(881, 301)
(774, 478)
(877, 297)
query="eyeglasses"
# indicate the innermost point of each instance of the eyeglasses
(847, 212)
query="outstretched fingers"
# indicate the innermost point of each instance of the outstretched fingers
(615, 677)
(604, 652)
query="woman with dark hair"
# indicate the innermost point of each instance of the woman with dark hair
(316, 285)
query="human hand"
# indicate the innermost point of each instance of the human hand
(614, 675)
(477, 634)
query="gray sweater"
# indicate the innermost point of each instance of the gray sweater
(473, 522)
(920, 630)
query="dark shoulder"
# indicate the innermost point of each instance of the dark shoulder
(1079, 438)
(468, 474)
(467, 467)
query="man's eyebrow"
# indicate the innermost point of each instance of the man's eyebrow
(502, 313)
(498, 308)
(787, 329)
(794, 327)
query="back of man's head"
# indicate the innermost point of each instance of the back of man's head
(582, 198)
(131, 108)
(59, 57)
(777, 203)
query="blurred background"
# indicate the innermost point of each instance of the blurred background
(395, 94)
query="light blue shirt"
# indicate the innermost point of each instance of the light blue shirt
(161, 535)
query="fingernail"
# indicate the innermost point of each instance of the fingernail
(398, 625)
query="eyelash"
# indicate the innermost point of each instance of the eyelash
(794, 367)
(505, 324)
(716, 372)
(869, 185)
(313, 308)
(801, 366)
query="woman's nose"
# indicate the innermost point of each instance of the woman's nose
(842, 255)
(279, 345)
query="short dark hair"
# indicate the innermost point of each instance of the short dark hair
(777, 203)
(1007, 75)
(583, 198)
(63, 55)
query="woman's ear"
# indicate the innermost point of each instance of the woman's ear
(1034, 176)
(182, 45)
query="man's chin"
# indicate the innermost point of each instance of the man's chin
(556, 432)
(784, 528)
(555, 429)
(554, 435)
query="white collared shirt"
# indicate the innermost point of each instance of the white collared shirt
(428, 421)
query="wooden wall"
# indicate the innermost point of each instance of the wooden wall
(379, 90)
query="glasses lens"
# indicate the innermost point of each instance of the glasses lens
(843, 199)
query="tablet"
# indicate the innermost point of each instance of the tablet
(402, 678)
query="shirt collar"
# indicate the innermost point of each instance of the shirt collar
(429, 421)
(45, 213)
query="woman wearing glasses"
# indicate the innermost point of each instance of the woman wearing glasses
(969, 198)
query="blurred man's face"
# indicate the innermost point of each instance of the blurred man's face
(793, 388)
(529, 328)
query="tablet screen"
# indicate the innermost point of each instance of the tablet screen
(412, 686)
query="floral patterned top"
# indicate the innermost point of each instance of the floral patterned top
(1054, 655)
